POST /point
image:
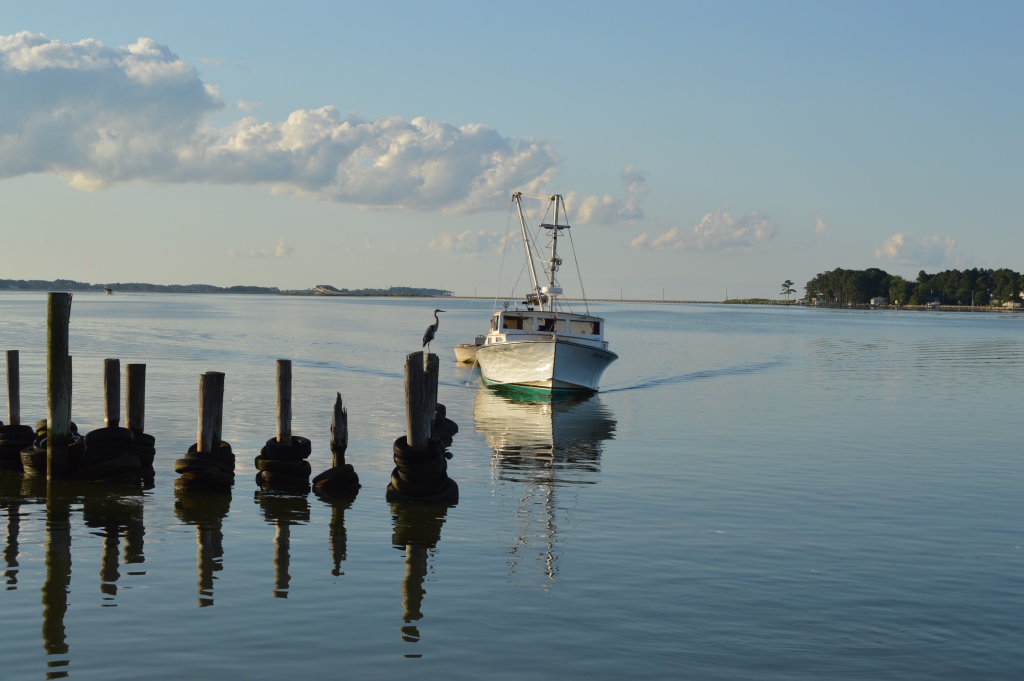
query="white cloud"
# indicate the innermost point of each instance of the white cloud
(99, 116)
(929, 250)
(247, 106)
(605, 210)
(820, 227)
(468, 243)
(717, 231)
(282, 251)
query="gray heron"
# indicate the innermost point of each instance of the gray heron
(428, 335)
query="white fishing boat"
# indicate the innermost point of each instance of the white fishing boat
(545, 345)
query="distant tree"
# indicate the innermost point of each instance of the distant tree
(787, 289)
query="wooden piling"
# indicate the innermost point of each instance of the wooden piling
(284, 401)
(58, 385)
(430, 391)
(207, 411)
(339, 433)
(13, 389)
(417, 428)
(135, 398)
(70, 385)
(112, 393)
(218, 408)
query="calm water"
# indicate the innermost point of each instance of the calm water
(757, 493)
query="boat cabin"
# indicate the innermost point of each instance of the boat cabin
(523, 325)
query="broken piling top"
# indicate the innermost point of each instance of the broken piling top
(420, 396)
(339, 432)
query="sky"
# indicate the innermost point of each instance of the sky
(701, 147)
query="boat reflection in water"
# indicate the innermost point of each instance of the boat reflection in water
(545, 442)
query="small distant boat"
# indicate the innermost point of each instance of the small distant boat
(546, 346)
(466, 353)
(108, 291)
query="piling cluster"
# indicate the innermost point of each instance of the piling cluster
(14, 437)
(282, 463)
(421, 468)
(209, 463)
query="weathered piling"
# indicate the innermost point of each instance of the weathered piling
(340, 480)
(420, 472)
(209, 463)
(14, 437)
(282, 463)
(284, 401)
(13, 389)
(135, 398)
(143, 445)
(58, 380)
(112, 393)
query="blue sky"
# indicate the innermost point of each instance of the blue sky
(700, 145)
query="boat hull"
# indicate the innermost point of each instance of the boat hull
(549, 364)
(466, 353)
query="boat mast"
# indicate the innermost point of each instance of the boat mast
(517, 197)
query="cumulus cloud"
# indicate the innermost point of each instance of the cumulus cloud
(929, 250)
(717, 231)
(606, 210)
(98, 116)
(247, 107)
(280, 251)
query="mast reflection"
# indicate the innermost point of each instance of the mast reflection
(282, 511)
(417, 531)
(543, 442)
(205, 510)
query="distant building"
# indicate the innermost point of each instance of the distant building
(879, 300)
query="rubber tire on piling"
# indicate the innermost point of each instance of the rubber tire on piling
(401, 449)
(203, 466)
(201, 482)
(112, 434)
(108, 468)
(449, 495)
(299, 448)
(334, 472)
(301, 468)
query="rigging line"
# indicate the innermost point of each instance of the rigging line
(586, 303)
(504, 248)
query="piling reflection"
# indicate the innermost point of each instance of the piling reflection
(337, 537)
(112, 513)
(55, 591)
(282, 511)
(417, 531)
(206, 510)
(543, 442)
(11, 502)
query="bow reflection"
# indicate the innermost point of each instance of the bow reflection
(543, 442)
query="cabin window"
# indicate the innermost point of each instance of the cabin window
(494, 324)
(577, 326)
(546, 325)
(513, 322)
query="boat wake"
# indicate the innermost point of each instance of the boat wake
(738, 370)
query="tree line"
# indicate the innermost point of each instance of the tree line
(977, 286)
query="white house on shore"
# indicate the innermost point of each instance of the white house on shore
(879, 300)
